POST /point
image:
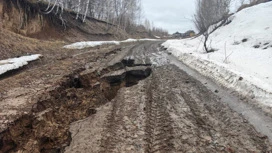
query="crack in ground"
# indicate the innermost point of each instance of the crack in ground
(75, 97)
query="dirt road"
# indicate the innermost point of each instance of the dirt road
(169, 111)
(134, 98)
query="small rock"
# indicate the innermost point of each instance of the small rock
(242, 98)
(262, 136)
(216, 91)
(241, 78)
(208, 138)
(256, 46)
(97, 84)
(91, 111)
(244, 40)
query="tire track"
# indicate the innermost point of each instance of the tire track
(124, 128)
(114, 119)
(200, 122)
(158, 124)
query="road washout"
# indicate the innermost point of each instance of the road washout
(75, 97)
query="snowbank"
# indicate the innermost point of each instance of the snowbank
(15, 63)
(82, 45)
(243, 57)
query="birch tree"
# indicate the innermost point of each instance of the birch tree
(209, 12)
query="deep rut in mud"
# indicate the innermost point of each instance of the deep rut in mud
(46, 128)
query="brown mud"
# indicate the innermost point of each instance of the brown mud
(124, 102)
(169, 111)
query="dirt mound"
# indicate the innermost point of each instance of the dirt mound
(28, 18)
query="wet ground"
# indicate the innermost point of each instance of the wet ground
(169, 111)
(138, 100)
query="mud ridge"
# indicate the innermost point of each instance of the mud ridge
(45, 128)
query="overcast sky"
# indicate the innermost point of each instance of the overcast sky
(172, 15)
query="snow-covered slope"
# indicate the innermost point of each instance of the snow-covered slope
(243, 57)
(15, 63)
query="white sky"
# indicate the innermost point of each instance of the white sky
(172, 15)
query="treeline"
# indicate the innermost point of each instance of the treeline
(154, 30)
(126, 14)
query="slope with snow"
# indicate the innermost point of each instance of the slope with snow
(15, 63)
(243, 57)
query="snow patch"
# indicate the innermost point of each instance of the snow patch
(243, 57)
(87, 44)
(81, 45)
(15, 63)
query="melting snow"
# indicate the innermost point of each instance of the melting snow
(243, 57)
(86, 44)
(15, 63)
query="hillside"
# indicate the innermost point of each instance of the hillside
(242, 57)
(27, 29)
(28, 18)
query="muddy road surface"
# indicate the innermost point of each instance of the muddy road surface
(169, 111)
(138, 99)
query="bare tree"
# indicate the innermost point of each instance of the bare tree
(86, 10)
(125, 14)
(210, 12)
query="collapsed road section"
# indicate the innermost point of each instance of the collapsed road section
(75, 97)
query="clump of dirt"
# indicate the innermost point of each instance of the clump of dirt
(244, 40)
